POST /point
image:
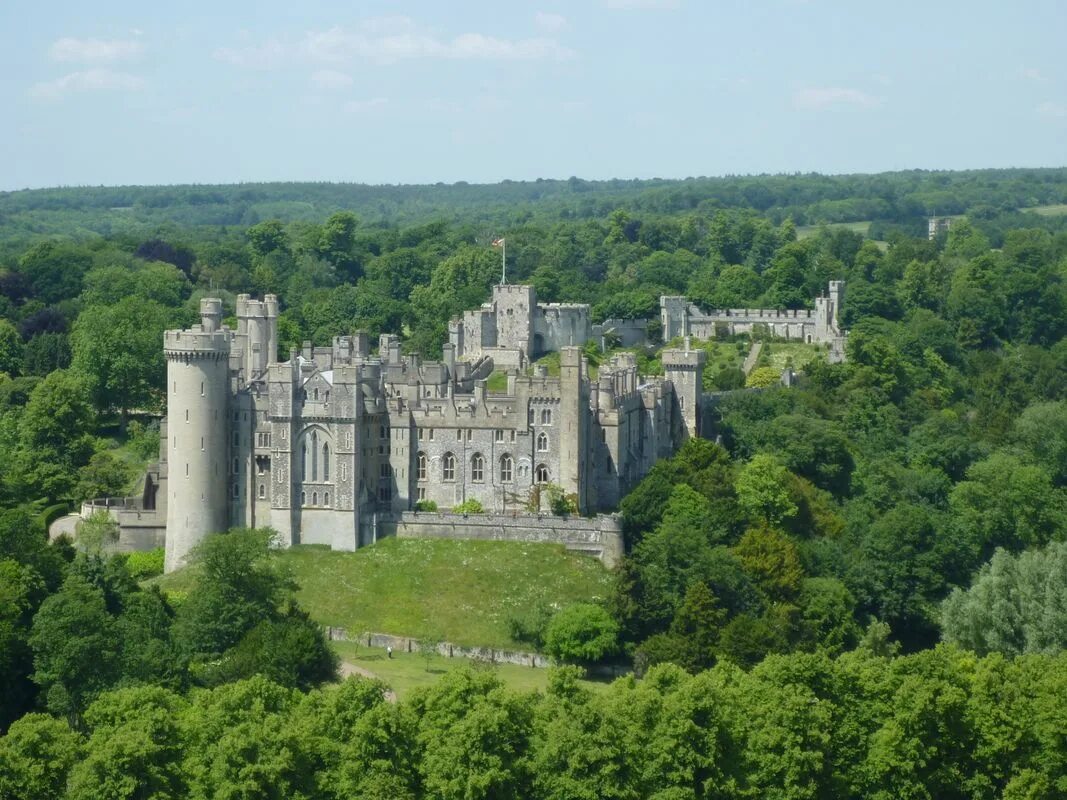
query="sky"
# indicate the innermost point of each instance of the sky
(118, 92)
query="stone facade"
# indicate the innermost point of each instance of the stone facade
(679, 317)
(334, 444)
(514, 328)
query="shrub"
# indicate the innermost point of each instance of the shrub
(146, 564)
(470, 506)
(581, 634)
(425, 505)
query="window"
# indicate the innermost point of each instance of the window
(459, 434)
(448, 471)
(303, 498)
(422, 493)
(477, 468)
(262, 491)
(325, 462)
(541, 474)
(530, 417)
(542, 442)
(326, 499)
(498, 435)
(236, 439)
(507, 468)
(327, 400)
(314, 394)
(420, 467)
(201, 388)
(186, 415)
(314, 498)
(546, 416)
(304, 463)
(236, 491)
(419, 435)
(343, 469)
(201, 444)
(384, 472)
(314, 456)
(513, 434)
(382, 433)
(430, 434)
(236, 466)
(604, 435)
(385, 493)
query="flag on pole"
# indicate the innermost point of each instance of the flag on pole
(503, 259)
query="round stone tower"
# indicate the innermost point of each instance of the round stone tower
(198, 393)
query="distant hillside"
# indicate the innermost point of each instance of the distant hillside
(463, 592)
(894, 197)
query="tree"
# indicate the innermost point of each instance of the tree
(75, 649)
(117, 349)
(239, 586)
(581, 633)
(104, 476)
(11, 351)
(1015, 605)
(770, 558)
(762, 490)
(54, 270)
(36, 756)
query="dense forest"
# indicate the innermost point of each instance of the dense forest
(857, 590)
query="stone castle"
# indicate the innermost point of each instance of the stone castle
(337, 446)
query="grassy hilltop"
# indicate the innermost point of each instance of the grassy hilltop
(462, 592)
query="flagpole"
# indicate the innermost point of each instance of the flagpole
(503, 261)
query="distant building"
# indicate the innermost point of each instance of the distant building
(937, 225)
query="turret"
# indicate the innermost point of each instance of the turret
(684, 368)
(198, 392)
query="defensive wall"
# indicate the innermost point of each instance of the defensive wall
(599, 536)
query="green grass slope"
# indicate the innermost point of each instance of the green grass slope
(462, 592)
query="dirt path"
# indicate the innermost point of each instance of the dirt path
(753, 357)
(348, 668)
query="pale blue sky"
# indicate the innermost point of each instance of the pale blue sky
(116, 92)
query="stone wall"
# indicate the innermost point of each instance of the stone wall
(599, 536)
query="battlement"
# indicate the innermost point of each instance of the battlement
(196, 343)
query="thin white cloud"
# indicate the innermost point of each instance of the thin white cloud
(549, 22)
(1052, 110)
(365, 106)
(1033, 74)
(819, 98)
(330, 79)
(91, 80)
(388, 40)
(643, 5)
(94, 51)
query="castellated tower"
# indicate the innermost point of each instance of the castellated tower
(684, 368)
(198, 391)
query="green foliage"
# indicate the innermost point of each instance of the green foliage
(469, 506)
(763, 490)
(425, 505)
(145, 564)
(581, 633)
(1016, 604)
(763, 377)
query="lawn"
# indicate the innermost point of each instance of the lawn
(406, 671)
(804, 231)
(459, 591)
(497, 383)
(796, 354)
(1057, 210)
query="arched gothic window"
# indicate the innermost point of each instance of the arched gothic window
(546, 416)
(304, 463)
(541, 474)
(507, 468)
(477, 468)
(542, 443)
(325, 462)
(420, 467)
(326, 499)
(262, 491)
(448, 471)
(314, 456)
